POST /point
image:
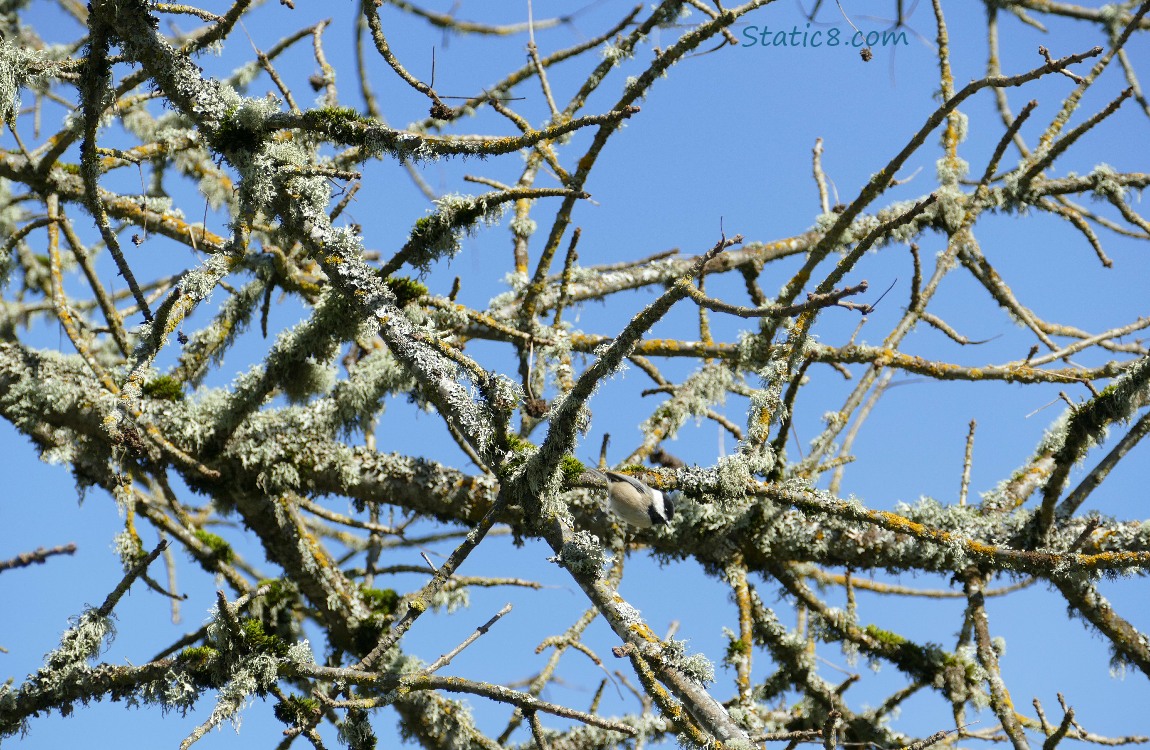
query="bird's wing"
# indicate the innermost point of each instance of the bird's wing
(641, 488)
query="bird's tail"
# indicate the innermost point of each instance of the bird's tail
(596, 472)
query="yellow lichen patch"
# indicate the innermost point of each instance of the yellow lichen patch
(640, 629)
(667, 345)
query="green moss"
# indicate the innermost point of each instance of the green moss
(885, 637)
(572, 468)
(405, 289)
(221, 550)
(333, 116)
(279, 591)
(736, 649)
(632, 469)
(521, 451)
(200, 663)
(200, 655)
(382, 601)
(296, 710)
(165, 388)
(923, 662)
(256, 638)
(518, 444)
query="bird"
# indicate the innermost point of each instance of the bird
(635, 502)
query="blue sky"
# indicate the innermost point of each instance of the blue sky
(725, 141)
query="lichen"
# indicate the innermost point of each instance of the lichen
(583, 555)
(16, 72)
(696, 666)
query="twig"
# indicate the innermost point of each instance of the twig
(445, 659)
(966, 464)
(39, 555)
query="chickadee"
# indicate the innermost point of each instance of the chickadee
(635, 502)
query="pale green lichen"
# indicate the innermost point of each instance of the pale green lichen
(1106, 184)
(615, 53)
(694, 398)
(949, 209)
(17, 71)
(438, 235)
(523, 226)
(960, 121)
(950, 170)
(309, 377)
(696, 666)
(208, 345)
(583, 555)
(355, 730)
(450, 599)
